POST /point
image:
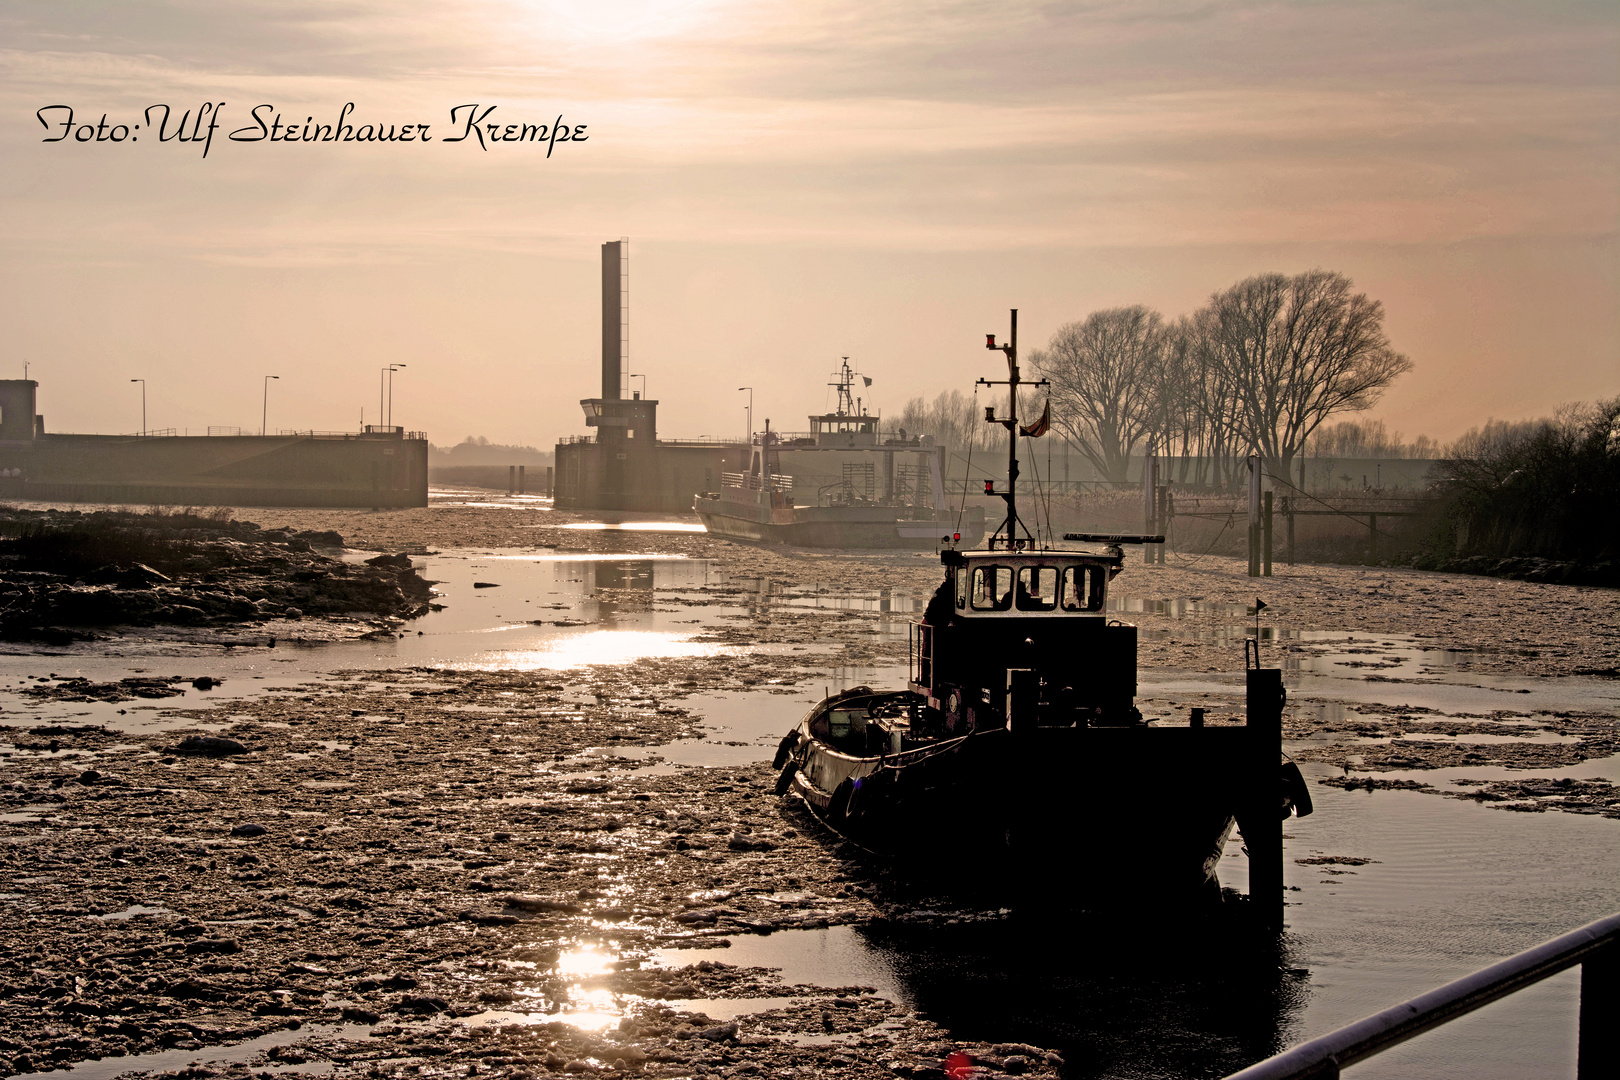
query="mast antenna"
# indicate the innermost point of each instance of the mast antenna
(1007, 533)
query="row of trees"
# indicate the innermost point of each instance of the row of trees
(1257, 370)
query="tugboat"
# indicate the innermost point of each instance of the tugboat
(841, 484)
(1017, 743)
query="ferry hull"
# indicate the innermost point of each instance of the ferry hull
(833, 527)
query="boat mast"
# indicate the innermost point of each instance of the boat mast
(1007, 531)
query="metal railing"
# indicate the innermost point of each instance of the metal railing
(1595, 947)
(750, 482)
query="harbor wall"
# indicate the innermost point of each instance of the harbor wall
(376, 469)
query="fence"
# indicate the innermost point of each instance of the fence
(1595, 947)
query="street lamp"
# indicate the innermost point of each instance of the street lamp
(385, 385)
(643, 379)
(265, 415)
(750, 390)
(143, 403)
(391, 369)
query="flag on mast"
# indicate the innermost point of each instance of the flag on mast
(1041, 426)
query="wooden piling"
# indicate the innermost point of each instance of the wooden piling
(1259, 816)
(1265, 518)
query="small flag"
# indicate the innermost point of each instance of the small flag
(1259, 605)
(866, 380)
(1041, 426)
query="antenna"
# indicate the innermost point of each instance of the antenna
(1008, 531)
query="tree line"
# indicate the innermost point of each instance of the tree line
(1259, 369)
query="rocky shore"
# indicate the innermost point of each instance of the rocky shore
(67, 575)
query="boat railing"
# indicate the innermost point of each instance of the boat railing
(752, 482)
(1595, 947)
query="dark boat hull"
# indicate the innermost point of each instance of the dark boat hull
(1114, 814)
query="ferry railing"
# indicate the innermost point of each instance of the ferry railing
(1595, 947)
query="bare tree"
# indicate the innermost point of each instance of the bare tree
(1297, 350)
(950, 418)
(1106, 371)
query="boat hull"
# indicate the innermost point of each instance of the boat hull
(834, 526)
(1091, 816)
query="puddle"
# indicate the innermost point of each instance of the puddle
(632, 526)
(133, 911)
(171, 1060)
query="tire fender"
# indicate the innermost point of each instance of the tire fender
(1295, 790)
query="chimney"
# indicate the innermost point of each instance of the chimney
(615, 317)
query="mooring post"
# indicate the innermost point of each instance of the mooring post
(1261, 819)
(1372, 533)
(549, 493)
(1599, 1053)
(511, 479)
(1254, 516)
(1266, 517)
(520, 479)
(1288, 515)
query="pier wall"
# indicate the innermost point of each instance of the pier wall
(376, 469)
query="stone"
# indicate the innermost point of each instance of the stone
(249, 829)
(206, 682)
(209, 746)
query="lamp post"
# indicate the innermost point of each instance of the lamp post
(385, 394)
(643, 379)
(389, 421)
(750, 390)
(143, 403)
(264, 417)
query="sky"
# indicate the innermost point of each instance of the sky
(799, 181)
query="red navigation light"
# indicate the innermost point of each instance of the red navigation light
(989, 486)
(956, 538)
(989, 341)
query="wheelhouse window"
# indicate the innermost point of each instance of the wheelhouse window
(1037, 588)
(1083, 588)
(992, 588)
(961, 587)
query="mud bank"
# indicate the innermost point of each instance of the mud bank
(66, 575)
(392, 856)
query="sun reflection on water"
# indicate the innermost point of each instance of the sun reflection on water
(599, 647)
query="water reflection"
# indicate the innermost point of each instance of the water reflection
(597, 647)
(1203, 996)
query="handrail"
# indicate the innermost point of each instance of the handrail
(1595, 946)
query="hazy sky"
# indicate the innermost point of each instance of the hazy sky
(799, 181)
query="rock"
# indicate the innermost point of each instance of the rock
(209, 746)
(206, 682)
(744, 842)
(422, 1004)
(249, 829)
(89, 776)
(293, 613)
(213, 945)
(391, 562)
(576, 1066)
(486, 585)
(540, 903)
(720, 1032)
(354, 1014)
